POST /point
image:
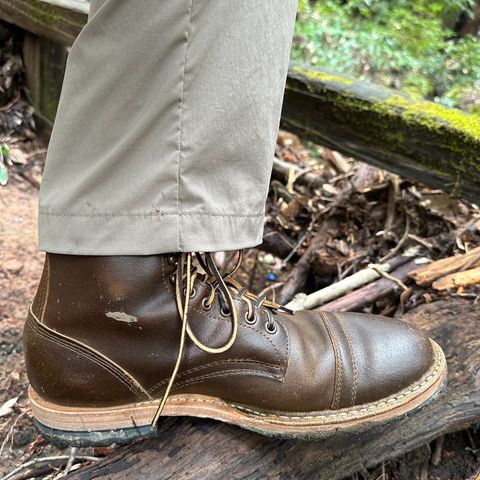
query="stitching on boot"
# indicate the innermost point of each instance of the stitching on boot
(38, 299)
(353, 412)
(222, 362)
(338, 361)
(287, 359)
(345, 414)
(346, 332)
(47, 288)
(79, 351)
(201, 312)
(223, 373)
(94, 355)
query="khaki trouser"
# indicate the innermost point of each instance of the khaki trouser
(165, 132)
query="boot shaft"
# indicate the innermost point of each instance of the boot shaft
(121, 312)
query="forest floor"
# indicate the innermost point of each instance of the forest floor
(455, 457)
(328, 217)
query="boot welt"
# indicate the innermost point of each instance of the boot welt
(121, 424)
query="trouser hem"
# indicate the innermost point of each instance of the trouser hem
(147, 234)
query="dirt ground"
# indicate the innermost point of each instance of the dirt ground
(20, 268)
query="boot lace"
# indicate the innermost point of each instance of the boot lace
(222, 287)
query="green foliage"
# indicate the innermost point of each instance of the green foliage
(4, 157)
(4, 153)
(407, 44)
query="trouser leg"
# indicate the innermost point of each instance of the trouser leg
(166, 127)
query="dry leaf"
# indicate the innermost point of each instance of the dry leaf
(7, 407)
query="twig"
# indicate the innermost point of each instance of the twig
(390, 277)
(68, 467)
(352, 282)
(265, 291)
(437, 453)
(307, 233)
(10, 104)
(392, 201)
(400, 243)
(10, 432)
(281, 170)
(420, 241)
(37, 461)
(373, 292)
(253, 271)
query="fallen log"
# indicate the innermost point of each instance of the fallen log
(194, 448)
(429, 273)
(414, 138)
(57, 20)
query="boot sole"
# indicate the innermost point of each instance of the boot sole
(103, 426)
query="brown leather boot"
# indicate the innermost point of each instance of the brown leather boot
(112, 342)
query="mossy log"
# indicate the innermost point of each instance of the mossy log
(57, 20)
(415, 138)
(190, 448)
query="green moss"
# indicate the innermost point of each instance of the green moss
(43, 13)
(320, 76)
(50, 89)
(430, 137)
(434, 116)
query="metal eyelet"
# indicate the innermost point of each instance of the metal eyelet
(225, 312)
(173, 278)
(271, 327)
(250, 321)
(192, 293)
(172, 260)
(206, 306)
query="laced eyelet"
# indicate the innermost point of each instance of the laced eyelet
(225, 312)
(271, 327)
(173, 278)
(172, 260)
(250, 321)
(205, 305)
(192, 293)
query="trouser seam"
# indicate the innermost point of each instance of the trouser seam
(180, 133)
(148, 214)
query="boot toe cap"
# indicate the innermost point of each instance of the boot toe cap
(381, 356)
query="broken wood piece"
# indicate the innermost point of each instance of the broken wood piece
(429, 273)
(350, 283)
(458, 279)
(282, 171)
(341, 164)
(355, 301)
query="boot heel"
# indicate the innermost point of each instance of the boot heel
(102, 438)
